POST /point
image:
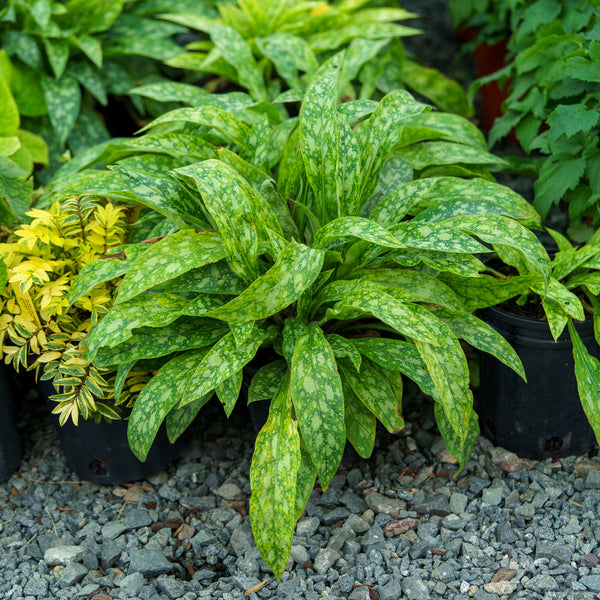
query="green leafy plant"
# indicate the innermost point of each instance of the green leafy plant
(62, 60)
(38, 328)
(333, 267)
(276, 46)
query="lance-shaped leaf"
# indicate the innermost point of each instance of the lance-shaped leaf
(105, 269)
(587, 373)
(223, 360)
(449, 372)
(266, 381)
(344, 348)
(318, 139)
(186, 333)
(179, 419)
(166, 259)
(482, 336)
(361, 423)
(569, 303)
(296, 268)
(63, 99)
(440, 237)
(375, 392)
(459, 447)
(364, 229)
(214, 278)
(318, 401)
(556, 316)
(273, 477)
(384, 130)
(305, 481)
(241, 219)
(398, 356)
(209, 116)
(459, 264)
(157, 398)
(348, 173)
(228, 391)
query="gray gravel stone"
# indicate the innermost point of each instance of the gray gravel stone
(308, 527)
(149, 563)
(113, 529)
(360, 593)
(73, 573)
(110, 551)
(171, 587)
(415, 588)
(131, 585)
(325, 559)
(356, 524)
(444, 572)
(505, 534)
(542, 583)
(453, 522)
(388, 506)
(392, 590)
(36, 586)
(137, 517)
(591, 582)
(63, 555)
(458, 502)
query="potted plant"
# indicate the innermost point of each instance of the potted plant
(41, 332)
(334, 267)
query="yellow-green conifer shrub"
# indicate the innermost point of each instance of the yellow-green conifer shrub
(38, 328)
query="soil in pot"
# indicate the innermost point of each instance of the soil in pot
(542, 418)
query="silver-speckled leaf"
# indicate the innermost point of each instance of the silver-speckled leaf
(57, 51)
(252, 174)
(168, 258)
(228, 391)
(157, 398)
(426, 154)
(174, 144)
(273, 477)
(384, 129)
(358, 52)
(63, 99)
(259, 141)
(266, 381)
(480, 335)
(179, 419)
(449, 372)
(318, 136)
(296, 268)
(400, 356)
(344, 348)
(288, 226)
(364, 229)
(348, 173)
(460, 448)
(105, 269)
(442, 125)
(459, 264)
(360, 422)
(395, 174)
(171, 91)
(441, 237)
(318, 401)
(224, 359)
(214, 278)
(241, 331)
(374, 392)
(186, 333)
(565, 262)
(556, 316)
(587, 373)
(305, 481)
(591, 281)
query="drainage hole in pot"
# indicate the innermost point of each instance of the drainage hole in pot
(99, 467)
(553, 444)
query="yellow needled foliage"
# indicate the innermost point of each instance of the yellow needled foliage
(38, 328)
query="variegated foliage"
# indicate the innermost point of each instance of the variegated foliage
(345, 242)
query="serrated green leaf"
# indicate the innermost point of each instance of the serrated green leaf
(168, 258)
(228, 391)
(318, 133)
(266, 381)
(459, 447)
(587, 373)
(63, 99)
(360, 422)
(157, 399)
(480, 335)
(318, 401)
(273, 477)
(344, 348)
(296, 268)
(375, 392)
(569, 119)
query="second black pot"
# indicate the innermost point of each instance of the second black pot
(10, 451)
(542, 418)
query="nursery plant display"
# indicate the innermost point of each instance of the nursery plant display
(38, 328)
(333, 267)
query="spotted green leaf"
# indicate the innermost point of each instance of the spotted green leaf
(3, 274)
(57, 51)
(348, 172)
(258, 143)
(214, 278)
(587, 373)
(171, 91)
(273, 478)
(459, 264)
(318, 401)
(375, 392)
(265, 382)
(228, 391)
(288, 226)
(105, 269)
(305, 481)
(241, 331)
(449, 372)
(210, 116)
(359, 51)
(174, 144)
(400, 356)
(63, 99)
(158, 397)
(480, 335)
(566, 261)
(396, 173)
(223, 360)
(91, 47)
(185, 333)
(344, 348)
(459, 447)
(16, 189)
(360, 422)
(318, 136)
(251, 173)
(591, 281)
(384, 129)
(179, 419)
(168, 258)
(359, 227)
(296, 268)
(556, 316)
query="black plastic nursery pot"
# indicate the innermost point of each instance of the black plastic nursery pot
(542, 418)
(100, 453)
(10, 451)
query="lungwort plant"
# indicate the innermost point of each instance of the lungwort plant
(334, 268)
(38, 328)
